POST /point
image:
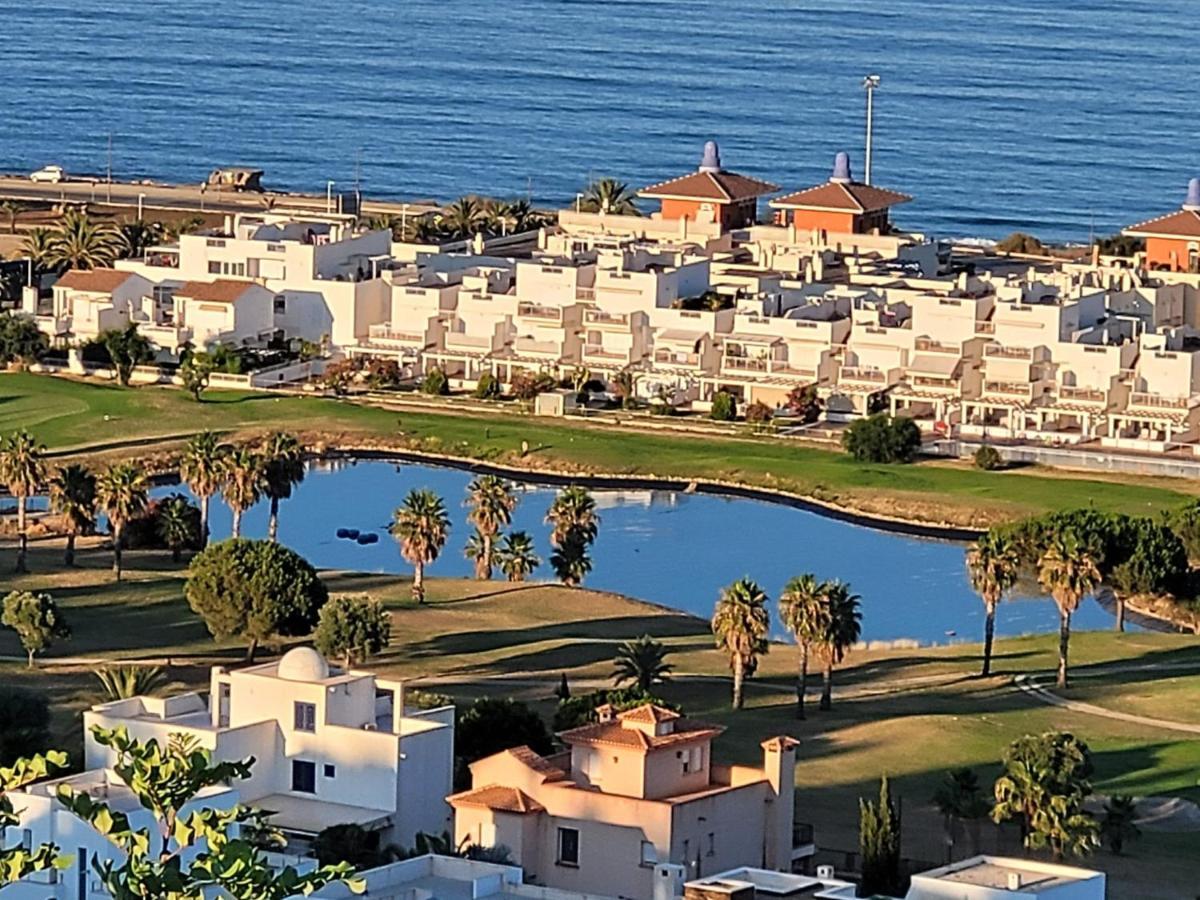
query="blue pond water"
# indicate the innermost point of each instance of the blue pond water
(674, 549)
(994, 113)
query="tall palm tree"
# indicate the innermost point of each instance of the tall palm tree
(283, 469)
(202, 470)
(243, 481)
(609, 196)
(80, 242)
(12, 209)
(573, 510)
(136, 236)
(176, 526)
(804, 611)
(993, 565)
(741, 623)
(38, 246)
(492, 501)
(478, 551)
(73, 498)
(23, 471)
(643, 662)
(422, 526)
(516, 556)
(1068, 570)
(500, 216)
(121, 493)
(464, 217)
(844, 628)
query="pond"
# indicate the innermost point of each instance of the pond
(672, 548)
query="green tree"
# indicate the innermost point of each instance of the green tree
(492, 724)
(255, 590)
(573, 509)
(988, 459)
(18, 861)
(882, 439)
(73, 499)
(1045, 781)
(121, 494)
(993, 566)
(126, 348)
(243, 480)
(516, 556)
(608, 195)
(740, 624)
(1156, 562)
(178, 524)
(422, 527)
(879, 845)
(122, 682)
(724, 407)
(642, 662)
(464, 217)
(20, 340)
(570, 559)
(283, 469)
(476, 550)
(435, 383)
(165, 779)
(843, 629)
(12, 208)
(195, 373)
(136, 237)
(202, 469)
(491, 501)
(487, 387)
(1068, 571)
(36, 619)
(80, 242)
(1118, 826)
(38, 247)
(804, 611)
(960, 799)
(23, 471)
(353, 628)
(526, 385)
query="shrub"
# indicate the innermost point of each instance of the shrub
(988, 458)
(339, 375)
(1020, 242)
(352, 628)
(487, 388)
(492, 724)
(882, 439)
(724, 407)
(20, 340)
(575, 711)
(758, 413)
(149, 532)
(382, 374)
(804, 402)
(527, 385)
(24, 724)
(435, 383)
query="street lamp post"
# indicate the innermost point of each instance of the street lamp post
(329, 196)
(141, 200)
(870, 83)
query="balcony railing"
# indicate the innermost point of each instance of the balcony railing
(862, 373)
(676, 358)
(597, 352)
(540, 348)
(985, 327)
(383, 334)
(1002, 352)
(1007, 388)
(468, 341)
(745, 363)
(583, 293)
(1159, 401)
(925, 345)
(533, 311)
(933, 383)
(1073, 394)
(605, 319)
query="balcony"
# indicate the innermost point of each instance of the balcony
(543, 313)
(932, 383)
(469, 343)
(597, 353)
(588, 295)
(528, 346)
(927, 345)
(745, 363)
(53, 325)
(676, 358)
(985, 327)
(595, 318)
(862, 375)
(1083, 396)
(1009, 388)
(384, 336)
(1161, 401)
(167, 336)
(998, 351)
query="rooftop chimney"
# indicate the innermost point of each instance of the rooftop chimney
(841, 169)
(1014, 881)
(1192, 203)
(711, 160)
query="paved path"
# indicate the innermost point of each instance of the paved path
(1029, 684)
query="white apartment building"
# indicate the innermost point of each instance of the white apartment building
(85, 303)
(1003, 878)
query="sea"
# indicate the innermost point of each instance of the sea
(1064, 119)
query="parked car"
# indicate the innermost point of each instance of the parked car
(49, 175)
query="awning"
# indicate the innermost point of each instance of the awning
(941, 365)
(303, 815)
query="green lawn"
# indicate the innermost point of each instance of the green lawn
(65, 413)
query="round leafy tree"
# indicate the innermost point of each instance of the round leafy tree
(255, 589)
(352, 628)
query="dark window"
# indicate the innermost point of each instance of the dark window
(305, 716)
(330, 770)
(568, 847)
(304, 776)
(214, 268)
(81, 875)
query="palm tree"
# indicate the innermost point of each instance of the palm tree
(176, 526)
(573, 510)
(608, 195)
(643, 662)
(123, 682)
(73, 498)
(23, 471)
(492, 501)
(464, 217)
(992, 564)
(804, 611)
(516, 556)
(202, 470)
(960, 799)
(243, 482)
(1068, 570)
(740, 623)
(500, 216)
(136, 236)
(38, 246)
(844, 628)
(1119, 823)
(422, 527)
(283, 469)
(12, 208)
(121, 493)
(82, 243)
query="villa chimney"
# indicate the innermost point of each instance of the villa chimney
(1014, 881)
(605, 713)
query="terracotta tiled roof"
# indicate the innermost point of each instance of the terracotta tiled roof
(615, 734)
(1183, 223)
(498, 798)
(98, 281)
(842, 197)
(720, 187)
(538, 763)
(223, 290)
(648, 713)
(781, 742)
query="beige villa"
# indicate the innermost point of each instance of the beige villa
(634, 800)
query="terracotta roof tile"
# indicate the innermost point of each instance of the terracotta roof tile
(98, 281)
(842, 197)
(222, 290)
(538, 763)
(498, 798)
(722, 187)
(1182, 223)
(615, 734)
(648, 713)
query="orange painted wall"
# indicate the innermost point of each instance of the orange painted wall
(1166, 253)
(678, 209)
(811, 219)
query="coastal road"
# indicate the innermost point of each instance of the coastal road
(184, 198)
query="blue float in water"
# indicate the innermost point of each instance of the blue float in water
(352, 533)
(369, 538)
(343, 533)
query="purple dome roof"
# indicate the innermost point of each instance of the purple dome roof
(841, 169)
(711, 160)
(1193, 196)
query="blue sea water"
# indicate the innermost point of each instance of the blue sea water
(1055, 118)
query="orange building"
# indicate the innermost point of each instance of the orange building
(841, 205)
(1173, 240)
(711, 194)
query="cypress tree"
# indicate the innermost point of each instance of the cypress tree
(879, 845)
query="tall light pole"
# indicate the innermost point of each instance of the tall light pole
(870, 83)
(141, 200)
(329, 196)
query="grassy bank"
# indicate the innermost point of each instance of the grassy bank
(910, 713)
(65, 413)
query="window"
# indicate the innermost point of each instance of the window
(81, 873)
(649, 854)
(304, 776)
(330, 770)
(214, 268)
(27, 839)
(568, 847)
(712, 844)
(280, 304)
(306, 716)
